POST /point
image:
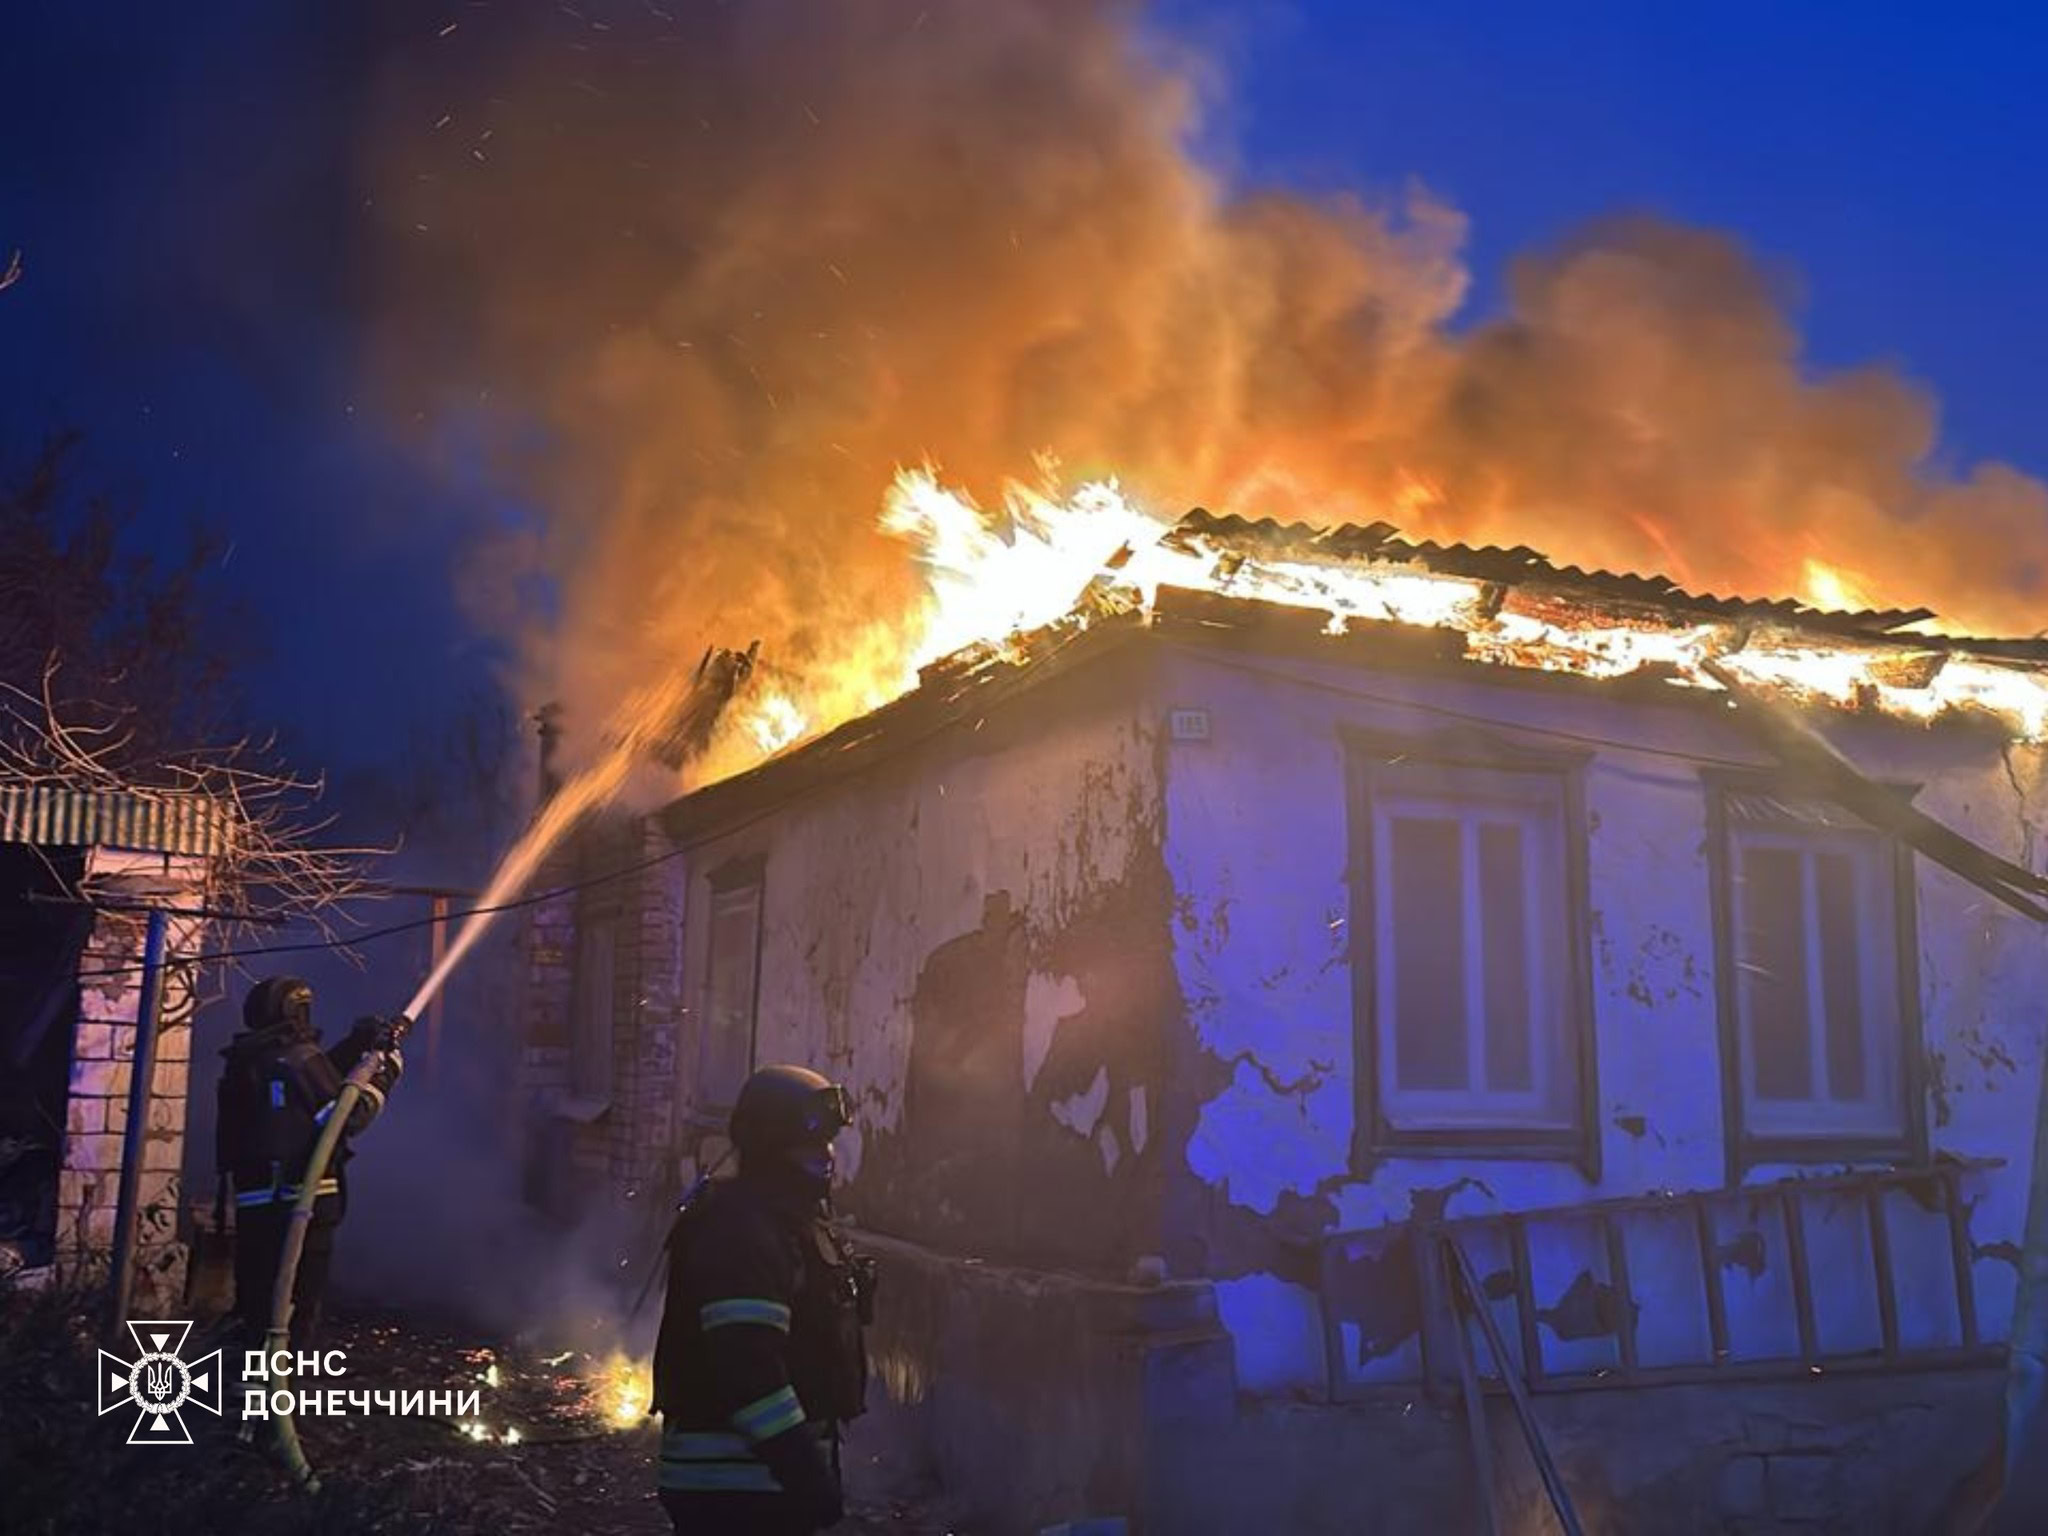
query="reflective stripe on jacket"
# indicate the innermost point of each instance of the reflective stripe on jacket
(704, 1461)
(285, 1194)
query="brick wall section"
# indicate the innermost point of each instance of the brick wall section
(630, 1144)
(648, 1023)
(549, 950)
(102, 1069)
(596, 1153)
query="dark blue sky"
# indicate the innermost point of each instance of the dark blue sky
(1894, 158)
(179, 181)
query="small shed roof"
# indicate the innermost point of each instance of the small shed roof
(144, 821)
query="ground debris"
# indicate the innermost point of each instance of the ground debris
(543, 1454)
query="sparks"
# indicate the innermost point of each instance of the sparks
(618, 1389)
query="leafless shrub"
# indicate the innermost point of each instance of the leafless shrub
(273, 870)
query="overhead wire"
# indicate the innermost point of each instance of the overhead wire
(309, 946)
(626, 871)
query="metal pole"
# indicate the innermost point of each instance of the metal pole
(142, 1074)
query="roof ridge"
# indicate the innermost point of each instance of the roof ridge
(1522, 564)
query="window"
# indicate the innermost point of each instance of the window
(590, 1040)
(732, 970)
(1817, 991)
(1473, 986)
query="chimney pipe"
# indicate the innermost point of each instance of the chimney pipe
(547, 722)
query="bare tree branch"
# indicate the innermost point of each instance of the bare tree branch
(273, 870)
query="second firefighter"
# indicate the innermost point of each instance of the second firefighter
(761, 1356)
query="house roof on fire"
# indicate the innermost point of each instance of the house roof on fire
(1383, 544)
(1605, 611)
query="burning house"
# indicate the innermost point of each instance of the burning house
(1317, 970)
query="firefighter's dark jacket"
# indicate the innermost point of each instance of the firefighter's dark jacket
(760, 1351)
(276, 1090)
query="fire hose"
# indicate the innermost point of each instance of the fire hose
(681, 733)
(277, 1342)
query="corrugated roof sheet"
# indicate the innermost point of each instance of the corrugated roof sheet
(981, 677)
(1382, 544)
(140, 820)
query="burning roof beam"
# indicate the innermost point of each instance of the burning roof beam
(1805, 751)
(1002, 587)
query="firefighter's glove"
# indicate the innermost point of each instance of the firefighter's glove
(799, 1464)
(361, 1039)
(373, 1034)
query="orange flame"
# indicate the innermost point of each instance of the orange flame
(990, 580)
(618, 1389)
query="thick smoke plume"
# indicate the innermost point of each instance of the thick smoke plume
(708, 275)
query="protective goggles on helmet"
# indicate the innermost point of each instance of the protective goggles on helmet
(828, 1112)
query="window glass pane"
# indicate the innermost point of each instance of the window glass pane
(1504, 966)
(729, 1032)
(1841, 974)
(1428, 923)
(1772, 962)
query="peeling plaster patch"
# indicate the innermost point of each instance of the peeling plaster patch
(1105, 1138)
(846, 1150)
(1371, 1294)
(1989, 1055)
(2004, 1251)
(1048, 1002)
(1588, 1309)
(1637, 1126)
(1939, 1089)
(1137, 1121)
(1744, 1251)
(1083, 1111)
(1663, 969)
(1432, 1204)
(1306, 1084)
(1256, 1145)
(1278, 1329)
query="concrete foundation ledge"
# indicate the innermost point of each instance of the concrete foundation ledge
(1032, 1397)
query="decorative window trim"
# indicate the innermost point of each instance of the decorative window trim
(1367, 755)
(738, 874)
(1747, 1148)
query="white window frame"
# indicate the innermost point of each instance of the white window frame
(720, 1070)
(1549, 1115)
(1887, 1014)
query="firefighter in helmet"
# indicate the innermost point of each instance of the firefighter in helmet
(761, 1357)
(277, 1088)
